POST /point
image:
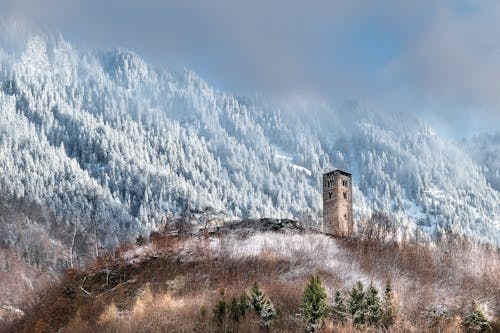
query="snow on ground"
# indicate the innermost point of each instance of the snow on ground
(415, 212)
(137, 254)
(288, 158)
(284, 156)
(302, 169)
(299, 255)
(306, 254)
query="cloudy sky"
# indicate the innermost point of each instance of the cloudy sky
(437, 59)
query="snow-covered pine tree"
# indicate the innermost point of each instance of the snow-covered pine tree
(262, 306)
(267, 314)
(257, 298)
(475, 321)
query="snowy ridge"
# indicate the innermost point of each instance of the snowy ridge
(104, 137)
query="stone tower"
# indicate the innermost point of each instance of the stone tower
(337, 203)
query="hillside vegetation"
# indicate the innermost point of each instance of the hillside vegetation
(174, 283)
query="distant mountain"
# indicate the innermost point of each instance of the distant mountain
(109, 146)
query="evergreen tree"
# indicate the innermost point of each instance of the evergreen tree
(235, 313)
(262, 306)
(373, 306)
(234, 310)
(357, 305)
(257, 298)
(314, 307)
(388, 306)
(339, 309)
(238, 309)
(243, 304)
(476, 321)
(220, 312)
(201, 325)
(268, 314)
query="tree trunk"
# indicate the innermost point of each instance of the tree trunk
(96, 239)
(72, 248)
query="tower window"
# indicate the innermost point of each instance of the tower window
(345, 195)
(329, 195)
(345, 216)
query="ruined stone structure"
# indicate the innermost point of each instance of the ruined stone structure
(337, 203)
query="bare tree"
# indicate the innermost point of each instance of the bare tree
(72, 247)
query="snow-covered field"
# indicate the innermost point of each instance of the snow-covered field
(304, 253)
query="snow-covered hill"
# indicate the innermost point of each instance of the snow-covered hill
(111, 145)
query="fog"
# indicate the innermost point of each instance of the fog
(437, 59)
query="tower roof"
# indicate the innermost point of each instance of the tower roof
(337, 171)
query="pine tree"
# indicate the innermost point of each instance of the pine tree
(243, 304)
(220, 312)
(201, 325)
(373, 306)
(314, 307)
(388, 307)
(234, 310)
(234, 313)
(339, 309)
(357, 305)
(257, 298)
(262, 306)
(476, 321)
(238, 309)
(268, 314)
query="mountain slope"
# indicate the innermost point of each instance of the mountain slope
(111, 146)
(173, 283)
(485, 150)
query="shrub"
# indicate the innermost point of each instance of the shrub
(140, 240)
(435, 315)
